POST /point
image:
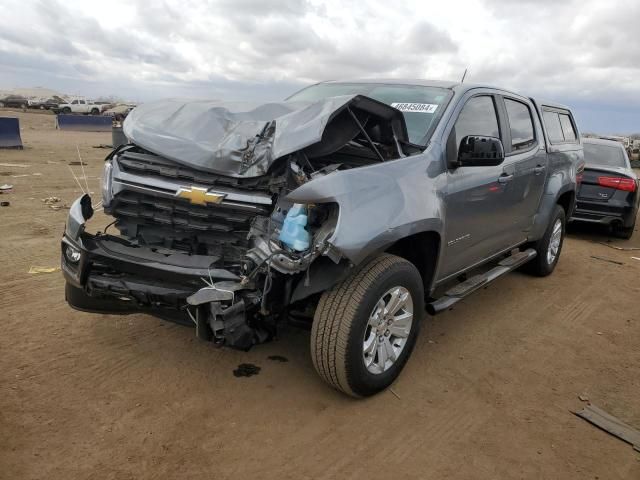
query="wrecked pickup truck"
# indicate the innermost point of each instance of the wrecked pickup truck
(347, 208)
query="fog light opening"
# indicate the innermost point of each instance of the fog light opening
(72, 254)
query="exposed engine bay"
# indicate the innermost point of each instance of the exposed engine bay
(233, 220)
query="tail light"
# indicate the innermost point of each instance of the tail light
(619, 183)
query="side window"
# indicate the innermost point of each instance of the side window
(567, 128)
(81, 102)
(554, 129)
(75, 102)
(478, 117)
(520, 125)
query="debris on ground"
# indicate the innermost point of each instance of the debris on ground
(610, 424)
(394, 393)
(54, 203)
(19, 165)
(635, 258)
(5, 204)
(246, 370)
(103, 145)
(583, 397)
(607, 260)
(43, 269)
(78, 162)
(624, 249)
(6, 188)
(278, 358)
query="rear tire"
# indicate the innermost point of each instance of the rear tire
(365, 328)
(624, 232)
(66, 110)
(549, 247)
(95, 111)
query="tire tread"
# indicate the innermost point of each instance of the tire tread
(334, 317)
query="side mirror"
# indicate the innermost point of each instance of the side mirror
(479, 151)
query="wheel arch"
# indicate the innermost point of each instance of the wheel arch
(567, 201)
(422, 249)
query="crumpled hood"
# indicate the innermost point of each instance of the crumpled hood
(239, 139)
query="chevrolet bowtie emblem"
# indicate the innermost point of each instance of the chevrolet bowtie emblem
(199, 196)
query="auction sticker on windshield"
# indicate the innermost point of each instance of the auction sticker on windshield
(415, 107)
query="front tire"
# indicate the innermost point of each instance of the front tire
(548, 248)
(365, 328)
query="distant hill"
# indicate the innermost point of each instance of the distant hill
(34, 92)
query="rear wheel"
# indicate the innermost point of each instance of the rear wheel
(548, 248)
(624, 232)
(66, 110)
(94, 111)
(365, 328)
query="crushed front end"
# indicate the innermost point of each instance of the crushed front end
(227, 252)
(193, 247)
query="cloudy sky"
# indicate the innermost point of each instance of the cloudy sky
(585, 53)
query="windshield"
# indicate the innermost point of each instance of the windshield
(421, 106)
(610, 156)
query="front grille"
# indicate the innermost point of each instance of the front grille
(144, 163)
(146, 209)
(223, 227)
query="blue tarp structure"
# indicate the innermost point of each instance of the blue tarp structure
(10, 133)
(84, 123)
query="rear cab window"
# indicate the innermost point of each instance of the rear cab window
(559, 125)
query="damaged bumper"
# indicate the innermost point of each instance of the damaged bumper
(107, 274)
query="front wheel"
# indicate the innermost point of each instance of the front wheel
(548, 248)
(365, 328)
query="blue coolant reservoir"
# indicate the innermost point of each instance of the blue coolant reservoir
(293, 233)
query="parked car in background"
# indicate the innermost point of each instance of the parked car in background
(119, 112)
(46, 104)
(609, 191)
(14, 101)
(80, 105)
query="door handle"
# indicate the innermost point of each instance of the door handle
(505, 178)
(539, 169)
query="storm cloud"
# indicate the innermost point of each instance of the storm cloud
(584, 53)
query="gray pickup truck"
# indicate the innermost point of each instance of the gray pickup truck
(349, 208)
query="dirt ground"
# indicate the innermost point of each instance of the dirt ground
(488, 393)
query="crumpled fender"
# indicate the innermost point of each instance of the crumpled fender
(79, 213)
(378, 204)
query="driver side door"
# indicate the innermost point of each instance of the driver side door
(478, 222)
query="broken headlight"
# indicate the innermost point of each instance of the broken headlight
(107, 193)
